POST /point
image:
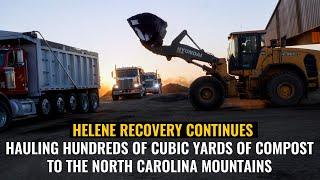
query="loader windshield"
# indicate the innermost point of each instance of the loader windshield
(233, 48)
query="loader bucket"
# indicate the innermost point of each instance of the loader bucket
(149, 28)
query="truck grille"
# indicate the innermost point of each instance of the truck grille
(125, 84)
(149, 84)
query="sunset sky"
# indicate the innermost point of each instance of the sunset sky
(101, 26)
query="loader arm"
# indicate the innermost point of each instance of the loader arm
(151, 30)
(206, 92)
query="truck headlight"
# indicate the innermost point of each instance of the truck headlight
(115, 86)
(156, 85)
(136, 85)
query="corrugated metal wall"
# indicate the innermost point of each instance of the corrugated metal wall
(310, 14)
(293, 18)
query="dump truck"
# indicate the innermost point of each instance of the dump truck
(283, 76)
(40, 77)
(129, 82)
(152, 82)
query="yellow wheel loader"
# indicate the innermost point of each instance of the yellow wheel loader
(280, 75)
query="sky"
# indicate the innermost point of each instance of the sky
(101, 26)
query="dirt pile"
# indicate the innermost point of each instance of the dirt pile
(177, 80)
(174, 88)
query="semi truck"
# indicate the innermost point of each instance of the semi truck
(152, 83)
(129, 82)
(40, 77)
(281, 75)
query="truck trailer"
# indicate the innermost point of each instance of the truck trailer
(39, 77)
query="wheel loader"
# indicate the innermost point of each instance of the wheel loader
(283, 76)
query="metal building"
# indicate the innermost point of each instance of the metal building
(295, 22)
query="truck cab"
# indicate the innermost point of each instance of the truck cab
(40, 77)
(152, 83)
(129, 82)
(13, 72)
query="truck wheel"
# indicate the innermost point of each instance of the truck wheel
(115, 97)
(206, 93)
(94, 102)
(45, 107)
(72, 103)
(59, 104)
(5, 116)
(285, 89)
(140, 95)
(83, 106)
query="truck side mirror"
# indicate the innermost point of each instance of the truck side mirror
(20, 57)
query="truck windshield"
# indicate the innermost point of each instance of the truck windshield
(2, 58)
(150, 77)
(127, 73)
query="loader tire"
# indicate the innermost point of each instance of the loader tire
(206, 93)
(5, 116)
(285, 89)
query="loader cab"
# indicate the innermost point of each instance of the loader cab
(244, 50)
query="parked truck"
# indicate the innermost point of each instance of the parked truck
(39, 77)
(129, 82)
(152, 82)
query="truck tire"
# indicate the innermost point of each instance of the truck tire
(140, 95)
(45, 107)
(59, 104)
(206, 93)
(94, 102)
(145, 92)
(5, 116)
(285, 89)
(71, 103)
(83, 105)
(115, 97)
